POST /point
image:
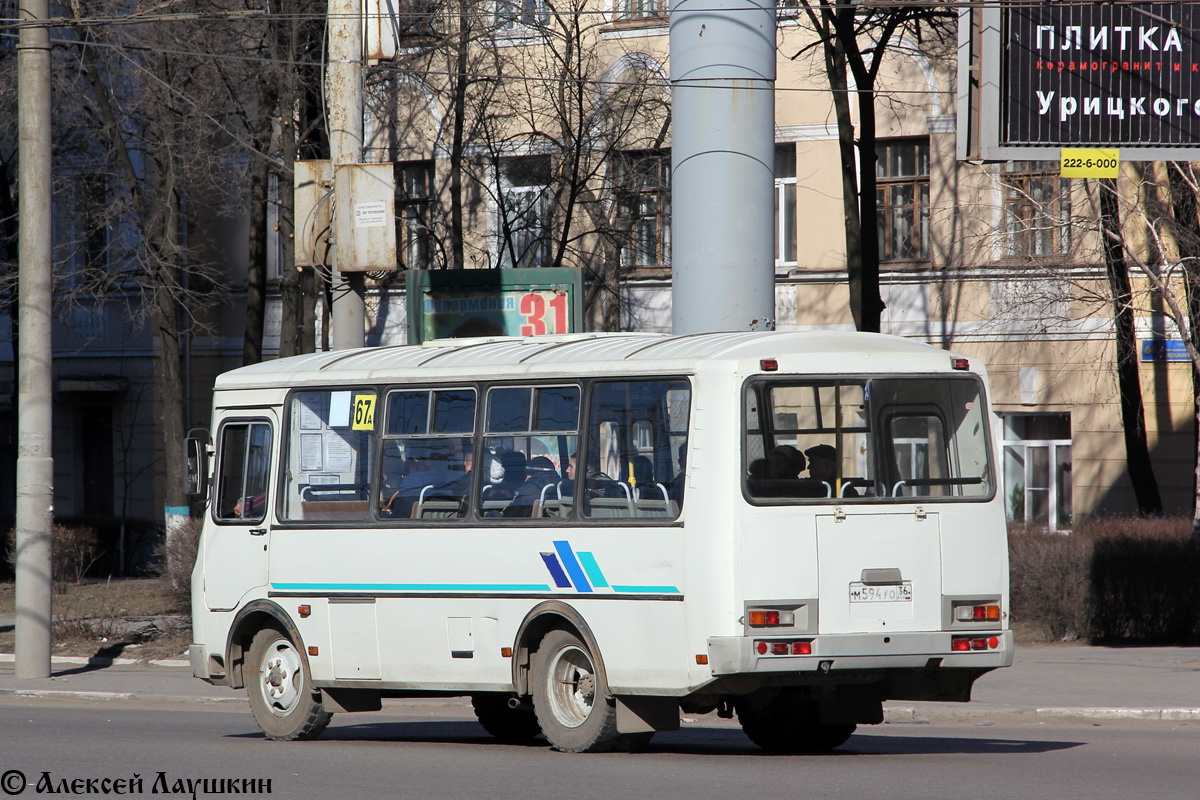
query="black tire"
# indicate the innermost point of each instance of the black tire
(282, 698)
(634, 742)
(506, 724)
(788, 725)
(575, 714)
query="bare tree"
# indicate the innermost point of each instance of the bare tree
(1129, 387)
(1185, 315)
(534, 117)
(579, 123)
(277, 122)
(158, 121)
(855, 38)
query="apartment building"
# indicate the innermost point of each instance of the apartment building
(537, 133)
(566, 162)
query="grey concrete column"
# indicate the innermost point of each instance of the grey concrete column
(35, 461)
(345, 96)
(723, 162)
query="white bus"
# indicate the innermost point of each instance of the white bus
(587, 534)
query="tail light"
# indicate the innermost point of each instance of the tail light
(783, 647)
(966, 644)
(983, 613)
(770, 618)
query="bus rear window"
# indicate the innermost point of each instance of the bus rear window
(863, 439)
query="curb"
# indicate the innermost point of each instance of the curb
(68, 694)
(928, 714)
(93, 661)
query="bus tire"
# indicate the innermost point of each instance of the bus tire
(569, 701)
(505, 723)
(790, 726)
(282, 698)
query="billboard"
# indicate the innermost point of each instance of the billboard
(493, 302)
(1038, 77)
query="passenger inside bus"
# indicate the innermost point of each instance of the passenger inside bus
(822, 466)
(785, 462)
(598, 483)
(541, 474)
(512, 476)
(428, 471)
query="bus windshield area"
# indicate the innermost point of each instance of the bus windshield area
(866, 439)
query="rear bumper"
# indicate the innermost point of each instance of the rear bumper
(832, 653)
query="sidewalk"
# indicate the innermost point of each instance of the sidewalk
(1045, 683)
(1078, 681)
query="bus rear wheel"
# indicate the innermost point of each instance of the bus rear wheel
(502, 721)
(790, 725)
(282, 698)
(571, 707)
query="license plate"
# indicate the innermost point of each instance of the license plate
(892, 593)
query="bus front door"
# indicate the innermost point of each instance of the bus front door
(237, 535)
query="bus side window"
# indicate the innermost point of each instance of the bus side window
(428, 454)
(637, 445)
(328, 454)
(530, 438)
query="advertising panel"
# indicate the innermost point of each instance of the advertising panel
(493, 302)
(1101, 74)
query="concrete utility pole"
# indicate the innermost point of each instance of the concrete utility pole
(345, 145)
(722, 165)
(35, 461)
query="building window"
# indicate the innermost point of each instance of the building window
(414, 206)
(1037, 469)
(642, 183)
(516, 14)
(1037, 210)
(785, 205)
(635, 10)
(524, 212)
(787, 9)
(902, 199)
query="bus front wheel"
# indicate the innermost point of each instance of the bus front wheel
(282, 698)
(571, 707)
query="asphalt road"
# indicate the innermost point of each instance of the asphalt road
(441, 753)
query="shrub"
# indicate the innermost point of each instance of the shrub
(1048, 575)
(175, 557)
(73, 550)
(127, 546)
(1111, 579)
(1144, 588)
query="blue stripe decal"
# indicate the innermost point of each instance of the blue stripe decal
(646, 589)
(412, 587)
(592, 569)
(556, 571)
(572, 564)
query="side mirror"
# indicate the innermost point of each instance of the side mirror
(195, 469)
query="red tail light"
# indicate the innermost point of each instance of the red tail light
(784, 647)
